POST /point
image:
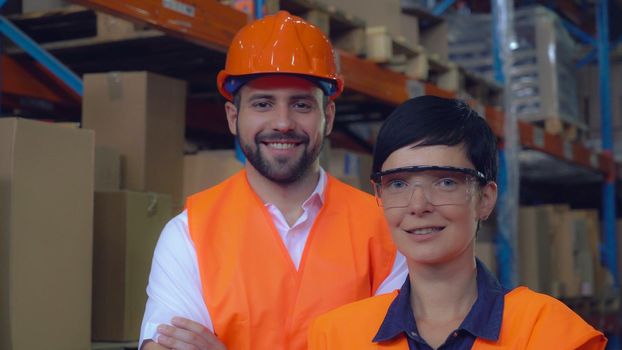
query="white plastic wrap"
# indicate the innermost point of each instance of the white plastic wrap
(507, 215)
(542, 81)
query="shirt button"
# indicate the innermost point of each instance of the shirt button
(455, 334)
(412, 334)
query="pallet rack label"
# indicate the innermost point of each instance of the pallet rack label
(179, 7)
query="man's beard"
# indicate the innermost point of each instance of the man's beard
(284, 170)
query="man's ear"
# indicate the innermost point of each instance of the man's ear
(232, 117)
(488, 200)
(329, 113)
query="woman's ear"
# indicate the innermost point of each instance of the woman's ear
(488, 200)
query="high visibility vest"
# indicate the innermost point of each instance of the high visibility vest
(256, 297)
(531, 321)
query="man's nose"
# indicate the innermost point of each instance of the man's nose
(283, 120)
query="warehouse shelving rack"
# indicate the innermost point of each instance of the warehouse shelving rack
(212, 25)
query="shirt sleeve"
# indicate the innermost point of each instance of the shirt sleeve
(398, 275)
(174, 287)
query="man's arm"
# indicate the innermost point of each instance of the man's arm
(174, 283)
(184, 334)
(151, 345)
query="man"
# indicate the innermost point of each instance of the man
(254, 259)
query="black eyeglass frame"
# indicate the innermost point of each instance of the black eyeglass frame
(375, 177)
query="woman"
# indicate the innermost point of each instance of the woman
(434, 173)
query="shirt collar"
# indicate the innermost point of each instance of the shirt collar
(483, 320)
(317, 196)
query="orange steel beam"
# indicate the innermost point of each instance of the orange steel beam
(367, 78)
(205, 22)
(209, 23)
(26, 80)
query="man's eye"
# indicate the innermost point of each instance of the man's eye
(261, 104)
(302, 106)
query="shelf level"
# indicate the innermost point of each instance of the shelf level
(213, 25)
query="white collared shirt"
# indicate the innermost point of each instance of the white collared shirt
(175, 289)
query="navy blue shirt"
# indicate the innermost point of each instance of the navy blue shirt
(483, 320)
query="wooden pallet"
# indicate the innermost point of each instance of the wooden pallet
(396, 53)
(572, 132)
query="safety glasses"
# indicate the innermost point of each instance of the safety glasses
(440, 185)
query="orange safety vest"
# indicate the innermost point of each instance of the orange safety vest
(256, 297)
(530, 321)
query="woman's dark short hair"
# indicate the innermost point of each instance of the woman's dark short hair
(430, 121)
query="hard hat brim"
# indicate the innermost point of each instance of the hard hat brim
(228, 85)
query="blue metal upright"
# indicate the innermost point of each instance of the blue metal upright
(442, 7)
(33, 49)
(610, 244)
(609, 205)
(259, 9)
(507, 205)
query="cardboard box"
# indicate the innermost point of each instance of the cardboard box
(486, 252)
(208, 168)
(142, 116)
(352, 168)
(434, 40)
(561, 257)
(113, 27)
(107, 169)
(534, 247)
(46, 220)
(126, 228)
(574, 255)
(485, 247)
(409, 29)
(374, 12)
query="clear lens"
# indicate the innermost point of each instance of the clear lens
(440, 187)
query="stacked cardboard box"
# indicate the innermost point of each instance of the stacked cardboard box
(208, 168)
(127, 227)
(139, 122)
(534, 247)
(558, 250)
(352, 168)
(107, 169)
(142, 116)
(46, 213)
(485, 247)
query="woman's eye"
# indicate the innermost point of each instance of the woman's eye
(447, 183)
(397, 185)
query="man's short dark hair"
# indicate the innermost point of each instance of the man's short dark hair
(431, 120)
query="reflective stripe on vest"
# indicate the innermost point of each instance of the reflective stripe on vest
(256, 297)
(530, 321)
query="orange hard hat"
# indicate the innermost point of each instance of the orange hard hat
(280, 44)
